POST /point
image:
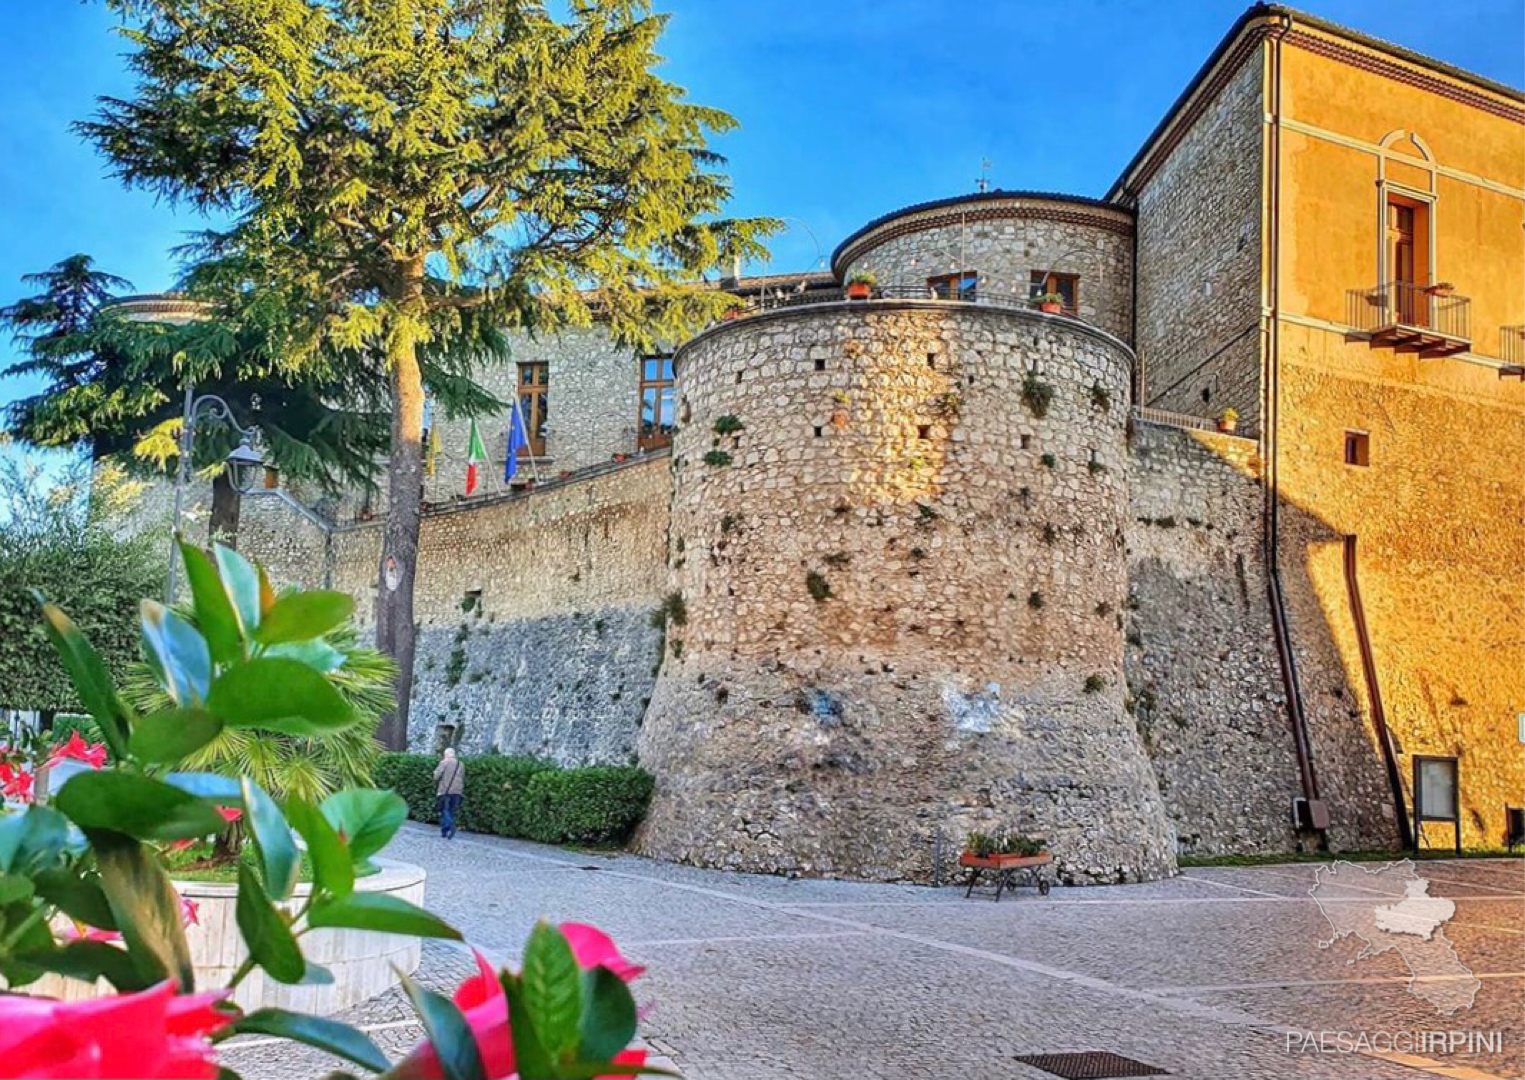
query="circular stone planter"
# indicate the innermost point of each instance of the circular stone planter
(364, 963)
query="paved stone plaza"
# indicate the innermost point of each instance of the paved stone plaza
(755, 978)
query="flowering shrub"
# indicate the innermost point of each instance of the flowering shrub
(84, 891)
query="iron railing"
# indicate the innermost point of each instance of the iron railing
(1402, 305)
(1172, 419)
(1512, 344)
(785, 298)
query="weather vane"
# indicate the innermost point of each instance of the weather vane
(983, 183)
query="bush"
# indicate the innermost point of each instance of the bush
(527, 798)
(66, 724)
(598, 805)
(495, 793)
(412, 777)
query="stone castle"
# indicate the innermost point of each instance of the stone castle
(853, 577)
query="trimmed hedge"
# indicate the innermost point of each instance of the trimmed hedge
(528, 798)
(597, 805)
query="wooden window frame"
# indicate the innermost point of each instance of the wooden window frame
(534, 404)
(665, 380)
(967, 282)
(1357, 448)
(1040, 282)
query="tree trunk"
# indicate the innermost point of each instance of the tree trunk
(226, 503)
(399, 548)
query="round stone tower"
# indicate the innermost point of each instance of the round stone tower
(897, 574)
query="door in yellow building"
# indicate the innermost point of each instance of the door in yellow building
(1407, 233)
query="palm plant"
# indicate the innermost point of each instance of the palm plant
(290, 766)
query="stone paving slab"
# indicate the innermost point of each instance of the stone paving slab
(754, 978)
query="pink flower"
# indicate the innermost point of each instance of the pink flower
(594, 948)
(153, 1033)
(15, 782)
(78, 931)
(189, 913)
(483, 1003)
(79, 750)
(230, 813)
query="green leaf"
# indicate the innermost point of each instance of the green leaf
(530, 1055)
(318, 655)
(553, 989)
(14, 888)
(179, 652)
(303, 616)
(146, 908)
(315, 975)
(215, 617)
(266, 592)
(32, 841)
(78, 897)
(136, 806)
(366, 818)
(240, 580)
(380, 911)
(608, 1015)
(265, 932)
(173, 734)
(447, 1029)
(91, 680)
(332, 868)
(28, 937)
(277, 851)
(91, 960)
(279, 694)
(331, 1036)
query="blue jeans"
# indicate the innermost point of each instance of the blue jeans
(449, 806)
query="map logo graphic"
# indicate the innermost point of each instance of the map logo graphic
(1390, 907)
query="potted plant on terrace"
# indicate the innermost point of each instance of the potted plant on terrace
(1050, 303)
(860, 286)
(1228, 420)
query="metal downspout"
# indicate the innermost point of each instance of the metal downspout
(1374, 695)
(1270, 431)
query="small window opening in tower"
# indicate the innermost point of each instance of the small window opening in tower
(1357, 448)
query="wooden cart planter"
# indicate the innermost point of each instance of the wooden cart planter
(1008, 871)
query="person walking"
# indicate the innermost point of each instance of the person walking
(449, 787)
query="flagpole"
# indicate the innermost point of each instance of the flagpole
(528, 445)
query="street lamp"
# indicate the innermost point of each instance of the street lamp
(243, 463)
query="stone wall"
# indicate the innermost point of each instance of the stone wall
(1199, 262)
(534, 609)
(1004, 240)
(898, 597)
(1204, 678)
(1437, 517)
(594, 409)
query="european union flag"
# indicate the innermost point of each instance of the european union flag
(518, 438)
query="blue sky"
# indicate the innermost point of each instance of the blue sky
(848, 108)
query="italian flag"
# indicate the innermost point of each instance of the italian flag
(476, 454)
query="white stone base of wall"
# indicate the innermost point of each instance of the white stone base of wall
(364, 963)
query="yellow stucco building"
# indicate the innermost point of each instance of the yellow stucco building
(1354, 287)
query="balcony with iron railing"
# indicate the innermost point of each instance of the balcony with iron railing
(1512, 352)
(1428, 319)
(786, 298)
